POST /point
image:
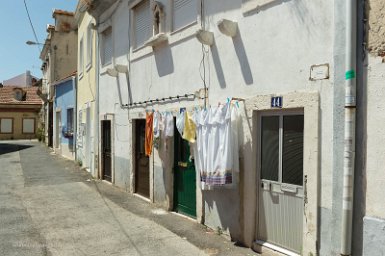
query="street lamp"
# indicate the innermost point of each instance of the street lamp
(33, 43)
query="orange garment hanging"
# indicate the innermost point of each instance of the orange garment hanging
(149, 133)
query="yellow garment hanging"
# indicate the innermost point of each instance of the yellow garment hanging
(189, 131)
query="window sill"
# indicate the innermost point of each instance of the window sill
(184, 32)
(254, 6)
(88, 67)
(156, 40)
(172, 38)
(104, 67)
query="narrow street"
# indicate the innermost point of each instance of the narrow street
(48, 206)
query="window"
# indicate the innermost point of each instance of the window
(28, 125)
(70, 120)
(6, 125)
(81, 56)
(106, 46)
(185, 12)
(89, 45)
(282, 148)
(142, 23)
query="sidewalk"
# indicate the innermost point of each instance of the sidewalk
(197, 234)
(49, 206)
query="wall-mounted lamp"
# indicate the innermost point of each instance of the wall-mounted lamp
(112, 72)
(228, 27)
(205, 37)
(121, 68)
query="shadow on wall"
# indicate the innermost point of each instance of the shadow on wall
(6, 148)
(242, 58)
(218, 66)
(222, 211)
(163, 60)
(164, 187)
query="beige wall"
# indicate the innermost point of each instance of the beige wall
(376, 31)
(18, 125)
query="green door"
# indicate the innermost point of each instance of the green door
(184, 178)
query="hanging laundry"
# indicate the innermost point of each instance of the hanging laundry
(149, 133)
(157, 120)
(216, 151)
(180, 122)
(189, 131)
(155, 124)
(168, 124)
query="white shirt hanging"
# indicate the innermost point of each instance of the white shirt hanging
(216, 155)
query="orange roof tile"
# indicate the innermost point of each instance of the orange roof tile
(7, 96)
(62, 12)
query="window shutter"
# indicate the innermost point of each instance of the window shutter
(185, 12)
(81, 62)
(107, 46)
(142, 23)
(6, 125)
(28, 125)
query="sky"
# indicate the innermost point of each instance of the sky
(16, 56)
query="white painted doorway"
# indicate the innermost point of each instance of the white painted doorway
(280, 168)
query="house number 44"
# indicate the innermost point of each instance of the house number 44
(276, 102)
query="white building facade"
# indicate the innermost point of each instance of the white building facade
(283, 63)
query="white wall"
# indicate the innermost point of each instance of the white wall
(272, 54)
(113, 92)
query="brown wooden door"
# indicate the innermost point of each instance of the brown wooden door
(142, 170)
(106, 151)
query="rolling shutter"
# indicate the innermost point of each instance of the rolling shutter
(185, 12)
(142, 23)
(107, 46)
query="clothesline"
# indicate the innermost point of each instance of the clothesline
(163, 99)
(212, 132)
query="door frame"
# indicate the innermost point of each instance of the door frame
(107, 117)
(134, 164)
(309, 102)
(278, 113)
(197, 216)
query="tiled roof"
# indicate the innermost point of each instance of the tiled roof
(61, 12)
(7, 96)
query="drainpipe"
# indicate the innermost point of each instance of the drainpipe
(350, 124)
(74, 117)
(96, 135)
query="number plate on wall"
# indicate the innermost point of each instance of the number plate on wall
(276, 102)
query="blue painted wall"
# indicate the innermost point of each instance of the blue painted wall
(65, 99)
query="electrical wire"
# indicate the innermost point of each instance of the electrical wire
(33, 29)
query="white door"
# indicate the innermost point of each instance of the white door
(280, 215)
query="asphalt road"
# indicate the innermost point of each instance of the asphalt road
(48, 206)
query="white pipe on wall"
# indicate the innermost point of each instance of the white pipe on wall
(350, 124)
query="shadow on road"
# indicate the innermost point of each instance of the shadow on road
(6, 148)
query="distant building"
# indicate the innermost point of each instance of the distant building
(19, 112)
(64, 119)
(59, 56)
(22, 80)
(86, 143)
